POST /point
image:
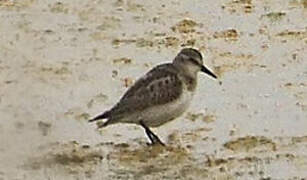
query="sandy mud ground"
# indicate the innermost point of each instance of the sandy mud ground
(62, 62)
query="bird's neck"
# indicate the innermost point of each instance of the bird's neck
(188, 75)
(190, 82)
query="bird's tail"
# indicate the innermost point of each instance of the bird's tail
(100, 116)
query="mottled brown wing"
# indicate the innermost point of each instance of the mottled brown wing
(159, 86)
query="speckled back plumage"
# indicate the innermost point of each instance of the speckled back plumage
(159, 86)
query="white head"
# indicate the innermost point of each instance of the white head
(190, 61)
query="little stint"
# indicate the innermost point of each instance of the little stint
(161, 95)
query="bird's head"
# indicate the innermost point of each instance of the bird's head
(191, 62)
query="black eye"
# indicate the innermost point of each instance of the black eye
(194, 61)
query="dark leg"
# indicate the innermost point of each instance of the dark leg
(153, 138)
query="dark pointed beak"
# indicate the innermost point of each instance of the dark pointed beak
(207, 71)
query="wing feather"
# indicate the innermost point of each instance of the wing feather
(159, 86)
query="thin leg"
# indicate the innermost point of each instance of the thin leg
(148, 133)
(153, 138)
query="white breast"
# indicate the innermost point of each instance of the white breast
(158, 115)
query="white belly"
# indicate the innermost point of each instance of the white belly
(161, 114)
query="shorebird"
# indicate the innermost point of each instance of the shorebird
(160, 96)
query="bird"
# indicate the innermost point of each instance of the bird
(160, 96)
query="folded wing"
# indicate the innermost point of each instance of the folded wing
(159, 86)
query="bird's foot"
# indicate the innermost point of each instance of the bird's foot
(156, 142)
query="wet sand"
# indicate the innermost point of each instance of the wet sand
(66, 61)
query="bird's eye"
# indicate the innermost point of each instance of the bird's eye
(194, 61)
